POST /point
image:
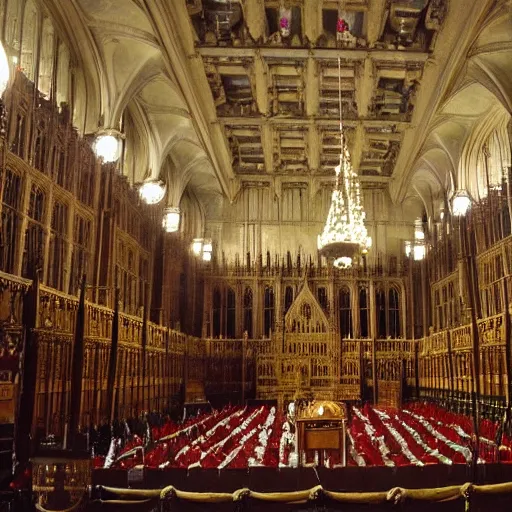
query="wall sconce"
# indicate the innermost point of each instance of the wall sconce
(418, 230)
(197, 246)
(171, 220)
(4, 70)
(207, 249)
(107, 145)
(417, 249)
(152, 191)
(461, 203)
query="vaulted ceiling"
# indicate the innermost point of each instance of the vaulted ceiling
(212, 93)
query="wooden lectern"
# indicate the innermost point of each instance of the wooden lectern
(322, 426)
(195, 399)
(194, 392)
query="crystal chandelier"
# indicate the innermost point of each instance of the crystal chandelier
(344, 233)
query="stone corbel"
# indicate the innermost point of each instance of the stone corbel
(377, 16)
(436, 13)
(312, 20)
(236, 189)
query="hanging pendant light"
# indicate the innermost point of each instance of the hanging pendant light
(152, 191)
(107, 145)
(344, 234)
(461, 203)
(197, 246)
(207, 249)
(171, 220)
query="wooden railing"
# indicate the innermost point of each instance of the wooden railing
(148, 377)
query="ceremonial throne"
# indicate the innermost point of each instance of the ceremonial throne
(303, 357)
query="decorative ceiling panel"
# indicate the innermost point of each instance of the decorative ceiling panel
(274, 75)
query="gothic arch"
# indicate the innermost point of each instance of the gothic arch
(306, 314)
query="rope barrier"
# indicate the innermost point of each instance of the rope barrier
(40, 508)
(396, 495)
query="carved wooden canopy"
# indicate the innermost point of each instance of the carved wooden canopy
(306, 315)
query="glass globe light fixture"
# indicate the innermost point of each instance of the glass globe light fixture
(208, 246)
(171, 220)
(207, 249)
(408, 248)
(415, 249)
(419, 252)
(461, 203)
(152, 191)
(4, 70)
(108, 146)
(419, 234)
(197, 246)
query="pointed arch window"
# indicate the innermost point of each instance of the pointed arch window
(46, 58)
(322, 297)
(231, 314)
(288, 298)
(216, 312)
(9, 236)
(18, 142)
(268, 310)
(12, 26)
(29, 42)
(380, 312)
(363, 313)
(345, 313)
(183, 301)
(40, 148)
(197, 326)
(394, 313)
(62, 92)
(454, 311)
(58, 245)
(248, 312)
(34, 235)
(439, 310)
(81, 256)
